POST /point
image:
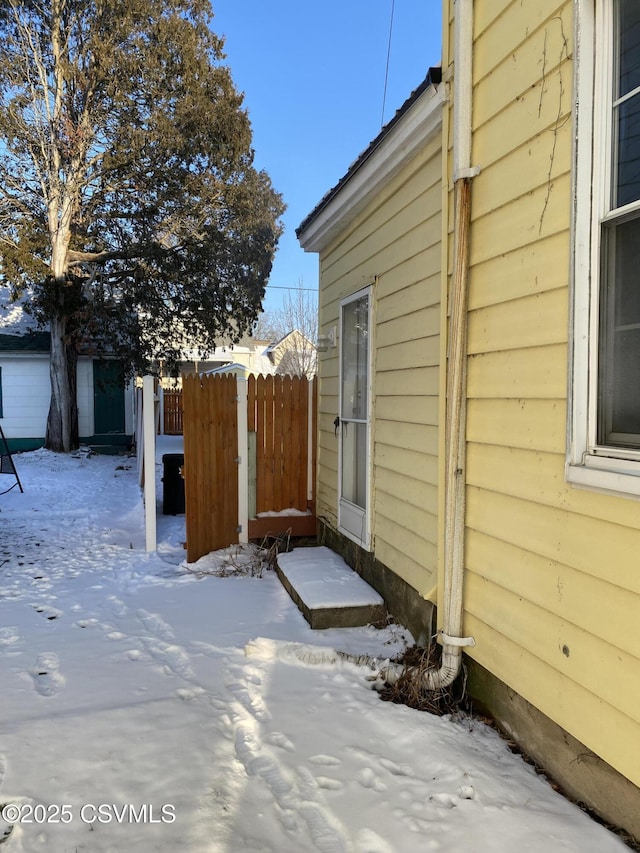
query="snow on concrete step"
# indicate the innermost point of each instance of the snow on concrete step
(327, 591)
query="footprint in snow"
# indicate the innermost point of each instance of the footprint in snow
(198, 647)
(47, 612)
(326, 760)
(281, 740)
(154, 623)
(327, 835)
(444, 800)
(189, 695)
(9, 639)
(396, 769)
(329, 784)
(368, 841)
(46, 675)
(5, 828)
(174, 659)
(85, 623)
(244, 685)
(368, 779)
(118, 607)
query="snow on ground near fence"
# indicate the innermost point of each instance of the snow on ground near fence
(132, 719)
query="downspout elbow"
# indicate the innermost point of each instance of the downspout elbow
(435, 679)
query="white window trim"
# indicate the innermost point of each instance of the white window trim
(590, 466)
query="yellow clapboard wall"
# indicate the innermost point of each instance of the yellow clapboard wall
(552, 582)
(395, 244)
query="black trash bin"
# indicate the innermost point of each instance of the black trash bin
(173, 484)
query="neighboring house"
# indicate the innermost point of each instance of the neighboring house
(235, 369)
(485, 310)
(294, 354)
(105, 404)
(249, 353)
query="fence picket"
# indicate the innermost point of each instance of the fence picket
(277, 447)
(299, 473)
(251, 403)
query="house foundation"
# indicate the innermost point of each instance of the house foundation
(581, 774)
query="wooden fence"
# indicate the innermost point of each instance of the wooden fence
(277, 459)
(172, 405)
(277, 414)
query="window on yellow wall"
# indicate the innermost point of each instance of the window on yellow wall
(619, 316)
(604, 447)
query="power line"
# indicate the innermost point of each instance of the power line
(284, 287)
(386, 73)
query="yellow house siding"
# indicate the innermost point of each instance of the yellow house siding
(388, 247)
(563, 591)
(516, 423)
(540, 266)
(537, 320)
(552, 587)
(522, 222)
(394, 244)
(540, 478)
(529, 372)
(585, 715)
(582, 658)
(327, 450)
(606, 550)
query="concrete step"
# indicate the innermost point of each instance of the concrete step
(327, 591)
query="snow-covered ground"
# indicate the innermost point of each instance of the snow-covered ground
(131, 717)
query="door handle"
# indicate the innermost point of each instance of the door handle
(336, 424)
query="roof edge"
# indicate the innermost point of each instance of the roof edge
(413, 124)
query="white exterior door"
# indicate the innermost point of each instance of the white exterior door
(354, 511)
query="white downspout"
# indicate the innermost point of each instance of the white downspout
(455, 444)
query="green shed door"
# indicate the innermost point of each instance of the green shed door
(108, 397)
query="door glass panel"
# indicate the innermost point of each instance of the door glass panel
(355, 359)
(354, 431)
(354, 463)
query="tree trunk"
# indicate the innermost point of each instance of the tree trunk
(62, 423)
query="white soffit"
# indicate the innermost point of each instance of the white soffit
(413, 130)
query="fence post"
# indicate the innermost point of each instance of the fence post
(149, 441)
(243, 461)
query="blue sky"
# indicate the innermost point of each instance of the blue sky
(313, 76)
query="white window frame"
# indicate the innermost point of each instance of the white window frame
(609, 469)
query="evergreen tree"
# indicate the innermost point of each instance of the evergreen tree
(132, 218)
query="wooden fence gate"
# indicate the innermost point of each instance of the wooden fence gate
(172, 406)
(275, 467)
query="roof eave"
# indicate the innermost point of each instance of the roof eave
(375, 167)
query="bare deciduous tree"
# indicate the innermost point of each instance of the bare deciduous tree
(295, 324)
